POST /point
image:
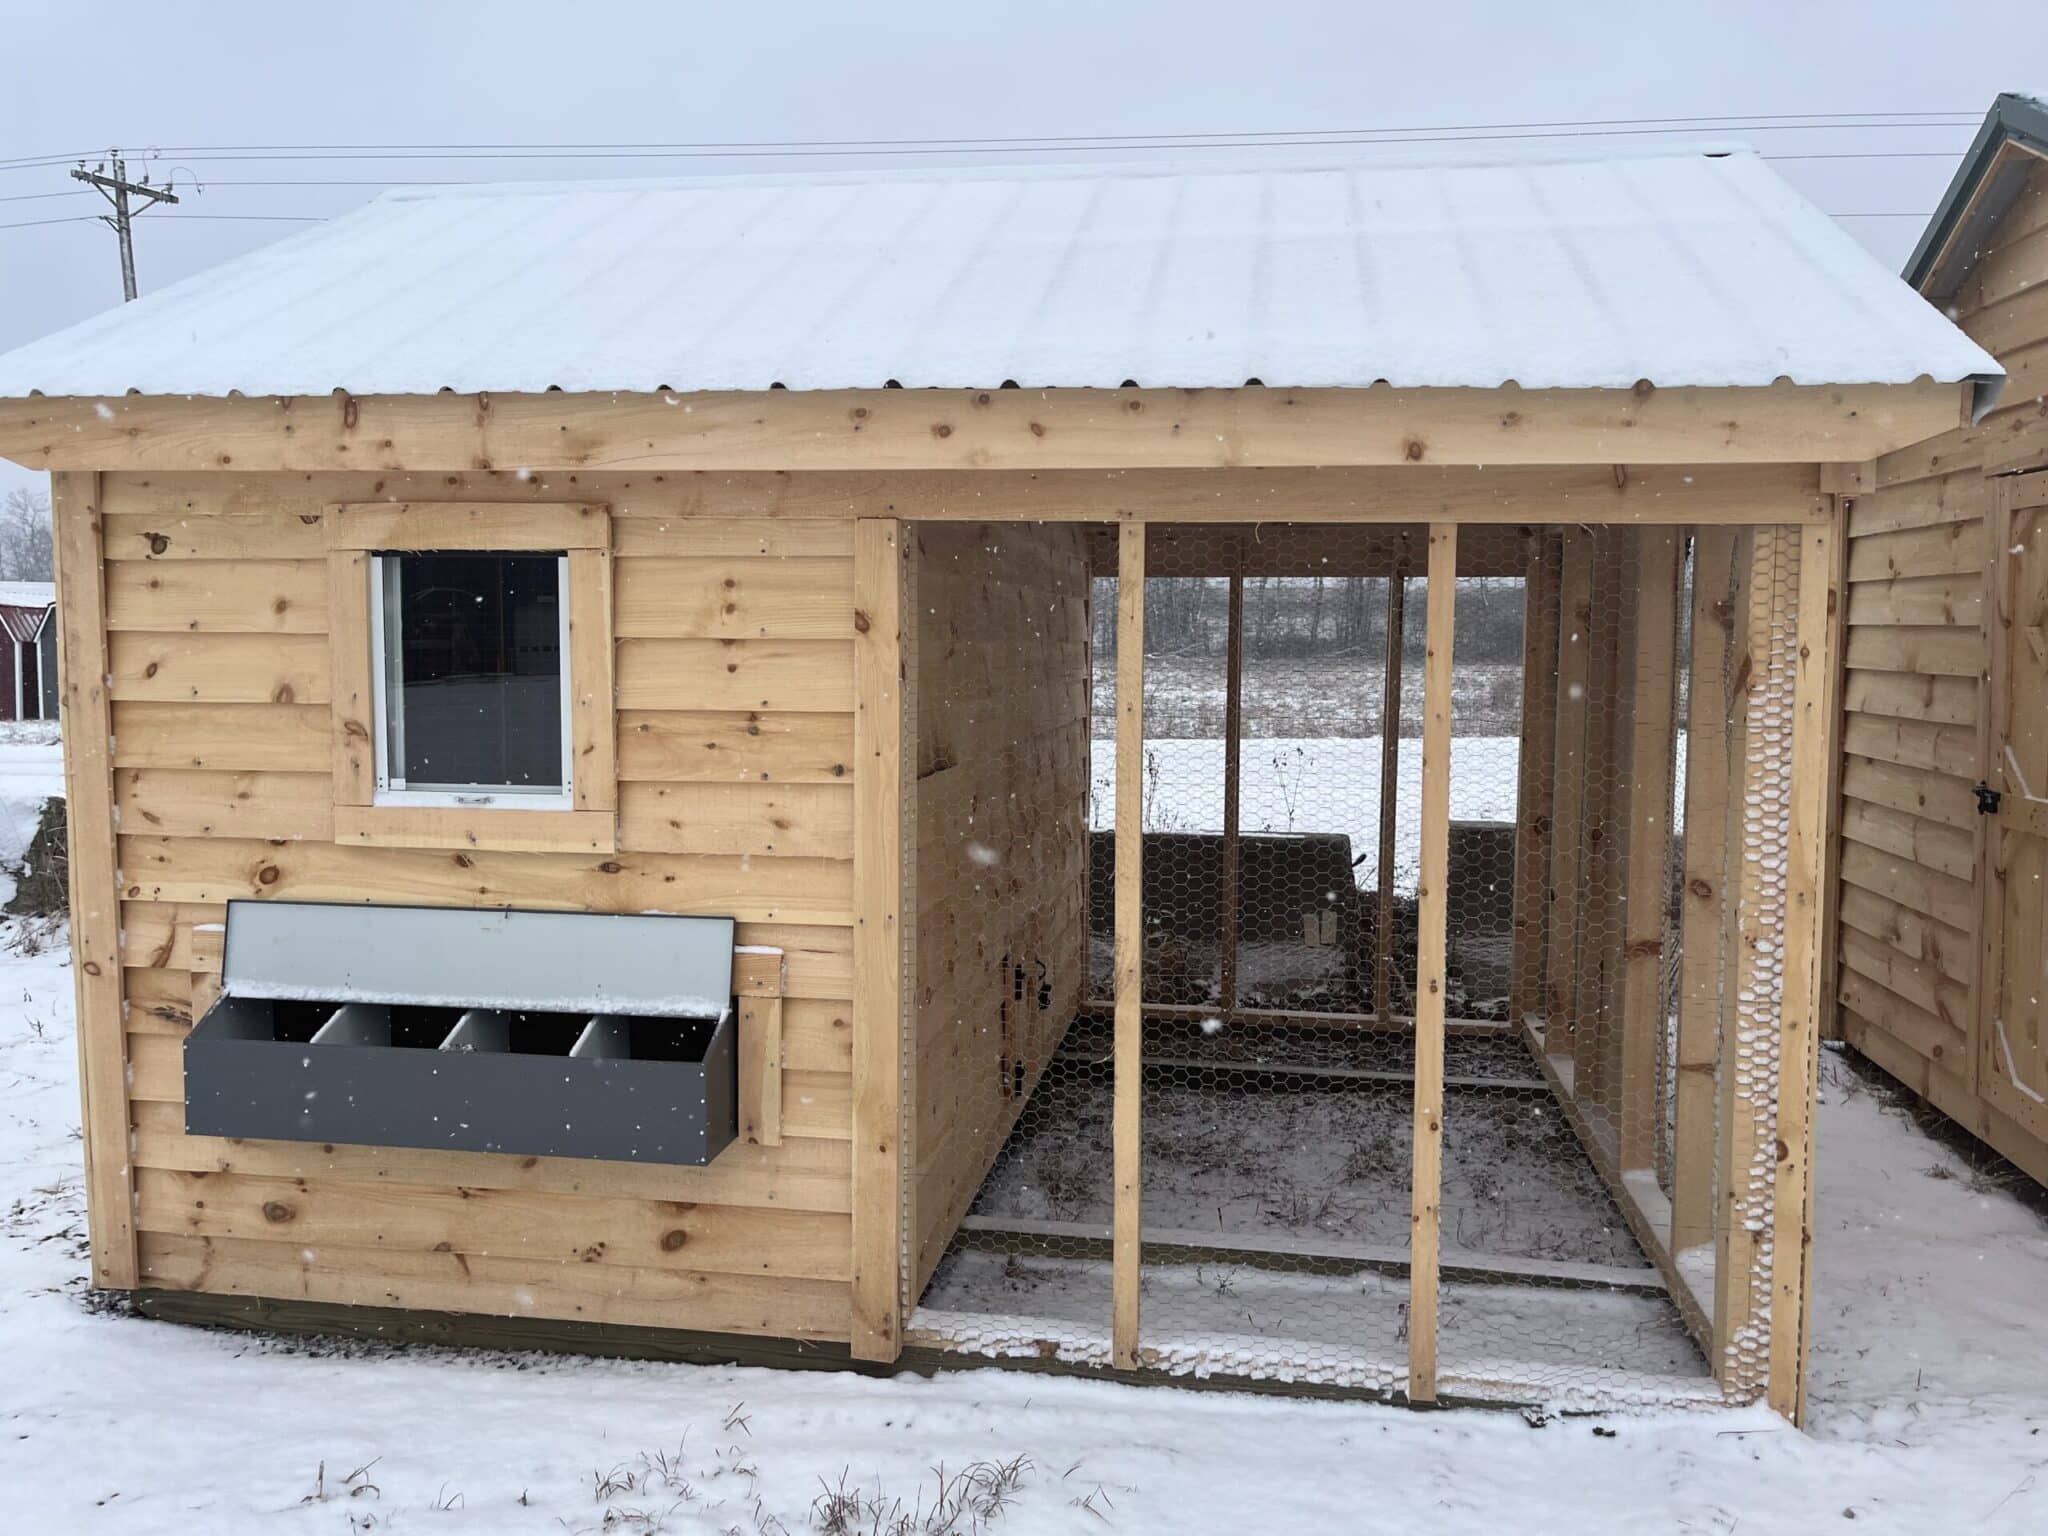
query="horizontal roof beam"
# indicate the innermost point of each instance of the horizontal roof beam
(900, 429)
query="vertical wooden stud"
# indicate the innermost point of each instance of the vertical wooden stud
(1699, 943)
(593, 739)
(1595, 1042)
(1646, 796)
(1568, 796)
(1535, 779)
(1128, 1124)
(760, 1071)
(882, 717)
(1425, 1237)
(353, 697)
(1734, 1150)
(1800, 1007)
(79, 543)
(1390, 784)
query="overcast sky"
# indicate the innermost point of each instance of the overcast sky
(206, 82)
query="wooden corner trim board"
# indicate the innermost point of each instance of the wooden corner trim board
(355, 531)
(80, 550)
(882, 621)
(979, 429)
(1801, 1006)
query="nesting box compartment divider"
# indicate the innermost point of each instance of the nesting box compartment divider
(540, 1033)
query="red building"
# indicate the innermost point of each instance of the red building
(28, 658)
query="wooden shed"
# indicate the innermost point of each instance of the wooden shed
(1944, 773)
(28, 654)
(1005, 619)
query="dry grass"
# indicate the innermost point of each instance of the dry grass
(963, 1503)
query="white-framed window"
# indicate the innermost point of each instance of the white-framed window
(471, 676)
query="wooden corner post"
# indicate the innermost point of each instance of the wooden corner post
(1802, 1006)
(1646, 841)
(1567, 789)
(1128, 1123)
(1535, 778)
(1425, 1238)
(80, 549)
(883, 716)
(1705, 892)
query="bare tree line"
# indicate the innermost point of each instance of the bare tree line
(1291, 617)
(25, 550)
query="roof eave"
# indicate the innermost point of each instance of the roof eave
(937, 429)
(1978, 196)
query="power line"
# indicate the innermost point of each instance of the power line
(181, 218)
(752, 148)
(29, 197)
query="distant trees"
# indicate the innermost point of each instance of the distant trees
(1299, 617)
(25, 552)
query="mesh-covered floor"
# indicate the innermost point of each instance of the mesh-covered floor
(1276, 1216)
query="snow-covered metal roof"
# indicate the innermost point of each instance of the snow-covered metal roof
(1984, 188)
(1693, 268)
(23, 607)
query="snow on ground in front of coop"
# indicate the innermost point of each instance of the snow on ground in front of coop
(1930, 1407)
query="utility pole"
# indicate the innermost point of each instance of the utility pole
(117, 189)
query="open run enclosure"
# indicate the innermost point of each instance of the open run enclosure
(1354, 954)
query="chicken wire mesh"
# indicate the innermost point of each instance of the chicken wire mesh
(1588, 1102)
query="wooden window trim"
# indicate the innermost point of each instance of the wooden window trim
(356, 532)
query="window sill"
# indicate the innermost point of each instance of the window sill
(495, 829)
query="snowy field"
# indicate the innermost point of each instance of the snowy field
(1930, 1398)
(1310, 784)
(1316, 784)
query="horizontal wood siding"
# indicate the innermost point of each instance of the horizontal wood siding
(735, 683)
(1915, 702)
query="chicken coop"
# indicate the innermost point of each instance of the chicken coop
(1203, 773)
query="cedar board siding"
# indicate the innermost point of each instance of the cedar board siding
(1915, 704)
(735, 749)
(1002, 843)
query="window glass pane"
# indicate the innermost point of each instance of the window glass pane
(480, 691)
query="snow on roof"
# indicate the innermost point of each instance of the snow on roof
(27, 594)
(1683, 268)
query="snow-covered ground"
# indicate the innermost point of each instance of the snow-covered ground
(1311, 784)
(1930, 1399)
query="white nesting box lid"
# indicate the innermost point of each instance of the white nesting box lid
(548, 962)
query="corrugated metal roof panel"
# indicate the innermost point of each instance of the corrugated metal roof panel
(1697, 268)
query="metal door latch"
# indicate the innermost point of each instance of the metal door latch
(1987, 799)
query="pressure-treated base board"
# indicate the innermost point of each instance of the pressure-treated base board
(679, 1346)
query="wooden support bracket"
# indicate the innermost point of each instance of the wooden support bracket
(758, 981)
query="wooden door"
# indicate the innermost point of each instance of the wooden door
(2012, 1052)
